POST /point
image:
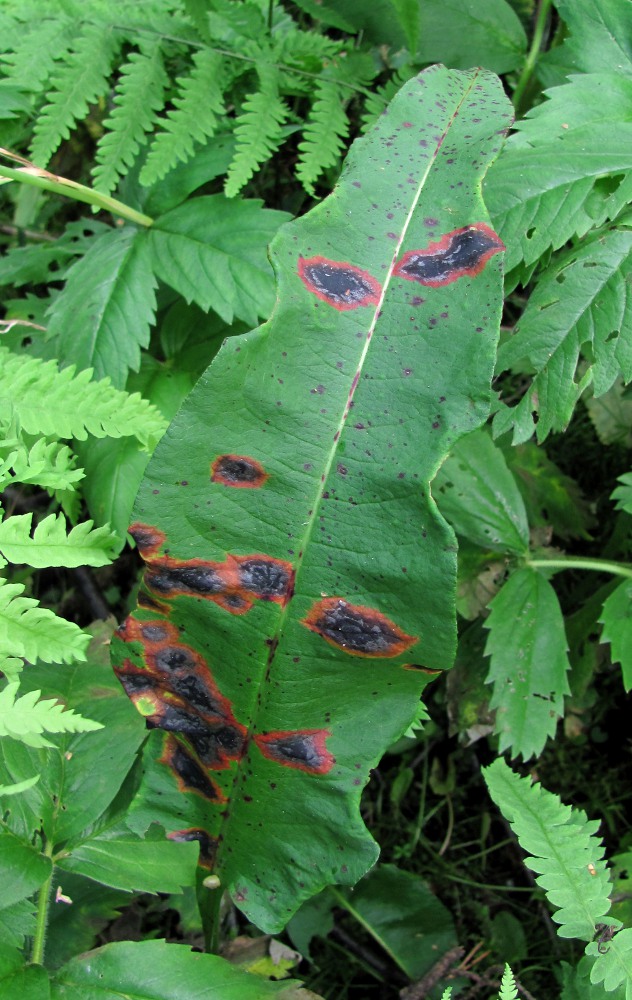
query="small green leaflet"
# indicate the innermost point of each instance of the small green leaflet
(616, 619)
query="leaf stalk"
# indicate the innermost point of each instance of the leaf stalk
(571, 562)
(532, 55)
(43, 905)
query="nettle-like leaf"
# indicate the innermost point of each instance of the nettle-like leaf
(299, 589)
(527, 646)
(581, 308)
(103, 316)
(616, 619)
(64, 404)
(26, 718)
(51, 545)
(562, 849)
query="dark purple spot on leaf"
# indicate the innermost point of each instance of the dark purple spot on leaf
(356, 629)
(342, 285)
(460, 253)
(239, 471)
(304, 750)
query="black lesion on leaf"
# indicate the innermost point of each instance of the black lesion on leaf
(171, 658)
(208, 844)
(463, 252)
(134, 683)
(305, 750)
(356, 629)
(202, 580)
(218, 744)
(239, 471)
(176, 719)
(265, 578)
(191, 776)
(342, 285)
(148, 539)
(196, 694)
(154, 632)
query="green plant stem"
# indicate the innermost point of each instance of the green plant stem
(78, 192)
(43, 904)
(533, 53)
(570, 562)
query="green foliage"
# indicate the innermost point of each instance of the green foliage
(26, 718)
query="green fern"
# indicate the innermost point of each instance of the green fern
(51, 545)
(26, 718)
(48, 464)
(61, 404)
(195, 118)
(613, 962)
(508, 989)
(31, 632)
(78, 83)
(326, 129)
(259, 130)
(41, 44)
(139, 98)
(563, 850)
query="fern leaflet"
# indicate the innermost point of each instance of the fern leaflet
(77, 84)
(508, 989)
(258, 130)
(35, 633)
(48, 464)
(613, 962)
(51, 546)
(326, 129)
(39, 48)
(62, 404)
(563, 847)
(194, 119)
(26, 718)
(139, 97)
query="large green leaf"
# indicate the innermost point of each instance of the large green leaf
(581, 307)
(300, 581)
(22, 867)
(527, 646)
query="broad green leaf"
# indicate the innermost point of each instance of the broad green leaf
(29, 982)
(22, 868)
(64, 404)
(80, 778)
(103, 316)
(213, 252)
(580, 308)
(36, 633)
(17, 922)
(210, 161)
(308, 588)
(616, 619)
(562, 847)
(600, 34)
(527, 646)
(404, 916)
(463, 33)
(26, 718)
(551, 498)
(155, 970)
(52, 544)
(135, 865)
(478, 495)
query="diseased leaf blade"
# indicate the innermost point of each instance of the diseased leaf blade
(527, 646)
(282, 647)
(616, 619)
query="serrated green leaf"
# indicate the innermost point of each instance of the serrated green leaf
(600, 34)
(51, 543)
(194, 119)
(460, 33)
(213, 252)
(36, 633)
(616, 619)
(337, 487)
(155, 970)
(16, 923)
(623, 493)
(527, 646)
(137, 101)
(562, 849)
(26, 718)
(103, 316)
(581, 307)
(22, 867)
(478, 495)
(135, 865)
(613, 962)
(611, 415)
(552, 499)
(64, 404)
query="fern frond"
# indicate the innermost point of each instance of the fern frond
(139, 97)
(613, 962)
(52, 546)
(258, 130)
(447, 993)
(36, 633)
(50, 465)
(326, 129)
(563, 849)
(62, 404)
(40, 46)
(77, 84)
(508, 989)
(26, 718)
(194, 119)
(11, 667)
